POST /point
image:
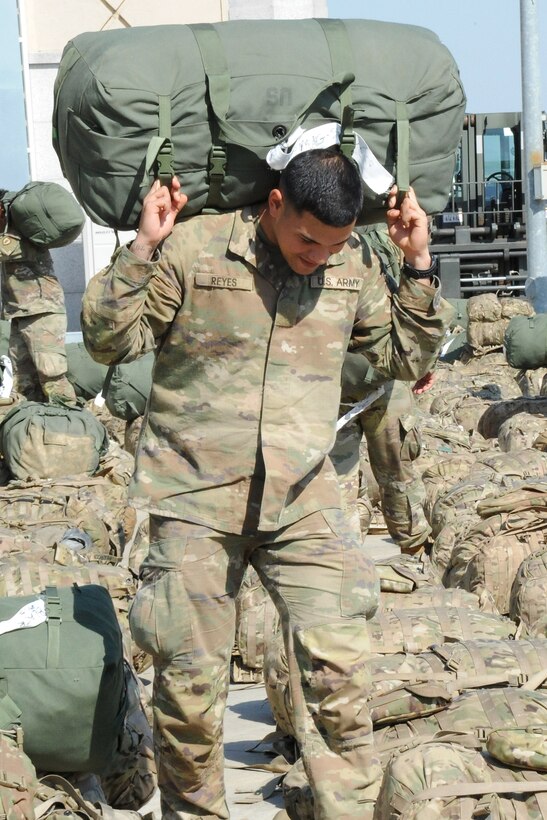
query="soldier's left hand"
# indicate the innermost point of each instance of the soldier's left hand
(408, 227)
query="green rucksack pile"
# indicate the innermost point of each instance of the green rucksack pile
(45, 214)
(209, 110)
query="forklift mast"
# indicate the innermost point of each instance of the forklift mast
(480, 237)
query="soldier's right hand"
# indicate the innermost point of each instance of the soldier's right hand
(160, 208)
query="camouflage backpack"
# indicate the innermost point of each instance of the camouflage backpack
(489, 556)
(528, 599)
(406, 686)
(489, 317)
(449, 536)
(497, 413)
(414, 630)
(18, 781)
(436, 596)
(405, 573)
(519, 432)
(450, 779)
(475, 713)
(41, 440)
(443, 474)
(463, 498)
(462, 406)
(95, 504)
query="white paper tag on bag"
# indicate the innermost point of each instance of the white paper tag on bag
(32, 614)
(323, 136)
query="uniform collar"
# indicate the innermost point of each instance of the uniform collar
(243, 241)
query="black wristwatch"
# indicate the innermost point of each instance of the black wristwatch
(430, 272)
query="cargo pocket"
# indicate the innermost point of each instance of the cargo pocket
(411, 442)
(159, 617)
(360, 587)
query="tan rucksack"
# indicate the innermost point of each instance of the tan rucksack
(451, 780)
(18, 781)
(488, 556)
(528, 599)
(414, 630)
(406, 686)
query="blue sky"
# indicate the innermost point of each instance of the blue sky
(483, 36)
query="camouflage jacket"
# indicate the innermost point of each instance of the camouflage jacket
(28, 284)
(246, 384)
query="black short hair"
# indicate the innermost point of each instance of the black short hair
(325, 183)
(3, 192)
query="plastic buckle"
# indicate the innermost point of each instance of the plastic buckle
(164, 163)
(483, 733)
(53, 608)
(217, 162)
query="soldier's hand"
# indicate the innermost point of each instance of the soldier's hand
(408, 228)
(424, 384)
(160, 208)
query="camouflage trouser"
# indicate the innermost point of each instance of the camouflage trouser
(184, 615)
(393, 443)
(38, 355)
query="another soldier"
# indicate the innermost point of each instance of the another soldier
(393, 443)
(250, 313)
(388, 425)
(33, 301)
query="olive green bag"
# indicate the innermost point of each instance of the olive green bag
(62, 677)
(525, 342)
(44, 213)
(209, 101)
(39, 440)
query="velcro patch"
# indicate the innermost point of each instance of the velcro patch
(215, 280)
(331, 282)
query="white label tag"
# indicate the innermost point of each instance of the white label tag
(30, 615)
(323, 136)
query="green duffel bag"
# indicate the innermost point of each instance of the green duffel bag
(45, 213)
(62, 677)
(85, 374)
(525, 341)
(125, 387)
(126, 391)
(209, 101)
(39, 440)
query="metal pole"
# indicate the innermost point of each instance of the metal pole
(534, 166)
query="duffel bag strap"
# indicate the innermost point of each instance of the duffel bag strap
(53, 612)
(159, 155)
(402, 176)
(340, 50)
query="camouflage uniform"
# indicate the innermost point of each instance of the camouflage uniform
(233, 466)
(33, 301)
(393, 443)
(389, 427)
